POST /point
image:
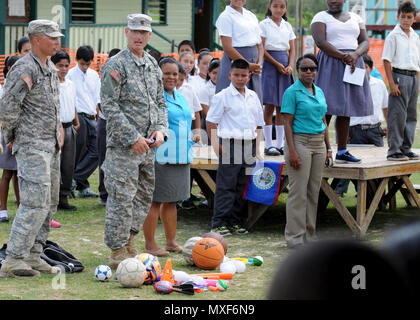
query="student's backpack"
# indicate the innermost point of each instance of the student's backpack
(54, 255)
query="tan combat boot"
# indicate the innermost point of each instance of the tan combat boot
(117, 256)
(35, 262)
(12, 267)
(131, 248)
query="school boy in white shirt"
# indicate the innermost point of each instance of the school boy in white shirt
(70, 123)
(88, 85)
(401, 57)
(237, 116)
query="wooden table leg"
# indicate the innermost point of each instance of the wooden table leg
(342, 210)
(393, 200)
(372, 208)
(412, 190)
(361, 200)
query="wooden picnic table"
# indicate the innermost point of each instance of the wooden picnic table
(377, 181)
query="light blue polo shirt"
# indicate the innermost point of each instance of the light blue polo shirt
(308, 110)
(177, 148)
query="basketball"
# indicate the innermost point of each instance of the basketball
(218, 237)
(208, 253)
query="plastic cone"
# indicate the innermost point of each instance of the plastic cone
(167, 274)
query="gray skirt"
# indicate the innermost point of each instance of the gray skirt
(343, 99)
(273, 82)
(7, 160)
(172, 182)
(251, 55)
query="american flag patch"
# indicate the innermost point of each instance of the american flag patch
(115, 75)
(28, 81)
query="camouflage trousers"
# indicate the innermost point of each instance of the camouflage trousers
(130, 182)
(39, 186)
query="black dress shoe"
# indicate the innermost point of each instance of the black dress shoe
(66, 206)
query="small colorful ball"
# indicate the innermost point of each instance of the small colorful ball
(163, 287)
(258, 260)
(222, 285)
(103, 273)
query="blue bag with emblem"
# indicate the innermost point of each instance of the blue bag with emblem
(263, 185)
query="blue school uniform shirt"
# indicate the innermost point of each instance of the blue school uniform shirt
(308, 110)
(177, 148)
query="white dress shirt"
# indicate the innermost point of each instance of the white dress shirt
(197, 82)
(88, 87)
(380, 101)
(67, 101)
(401, 51)
(276, 37)
(188, 92)
(242, 28)
(342, 35)
(237, 116)
(1, 91)
(207, 93)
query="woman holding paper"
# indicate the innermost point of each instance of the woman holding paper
(307, 150)
(341, 37)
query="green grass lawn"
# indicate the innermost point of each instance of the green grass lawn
(82, 234)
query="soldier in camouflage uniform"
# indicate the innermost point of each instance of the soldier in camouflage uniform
(133, 103)
(29, 112)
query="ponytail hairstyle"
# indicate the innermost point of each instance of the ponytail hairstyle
(269, 14)
(214, 64)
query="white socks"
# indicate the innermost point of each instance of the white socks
(3, 214)
(268, 135)
(280, 136)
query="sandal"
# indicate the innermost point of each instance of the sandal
(159, 252)
(177, 249)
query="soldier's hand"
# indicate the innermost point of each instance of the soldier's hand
(140, 146)
(10, 145)
(158, 137)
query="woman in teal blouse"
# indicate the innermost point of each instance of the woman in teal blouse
(307, 151)
(172, 166)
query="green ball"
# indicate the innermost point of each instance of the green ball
(257, 261)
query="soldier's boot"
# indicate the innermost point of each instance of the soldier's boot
(117, 256)
(131, 248)
(35, 262)
(12, 267)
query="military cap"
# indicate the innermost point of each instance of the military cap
(139, 21)
(48, 27)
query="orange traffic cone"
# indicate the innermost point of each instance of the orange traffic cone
(167, 274)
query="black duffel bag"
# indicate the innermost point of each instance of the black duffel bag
(54, 255)
(57, 256)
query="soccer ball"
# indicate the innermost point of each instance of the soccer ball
(131, 273)
(103, 273)
(153, 267)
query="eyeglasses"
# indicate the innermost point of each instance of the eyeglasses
(311, 68)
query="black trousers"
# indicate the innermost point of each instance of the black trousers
(233, 171)
(86, 151)
(101, 141)
(68, 156)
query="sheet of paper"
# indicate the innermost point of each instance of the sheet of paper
(357, 77)
(16, 8)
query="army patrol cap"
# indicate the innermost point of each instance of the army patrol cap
(48, 27)
(139, 21)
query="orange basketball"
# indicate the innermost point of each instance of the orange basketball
(208, 253)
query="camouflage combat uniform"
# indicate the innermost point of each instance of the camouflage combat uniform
(134, 105)
(29, 112)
